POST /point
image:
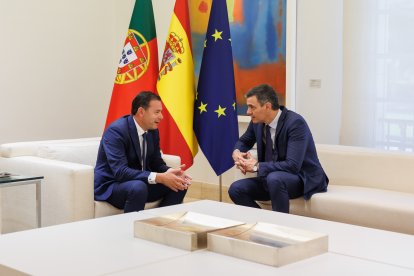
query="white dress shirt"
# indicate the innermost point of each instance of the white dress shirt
(273, 126)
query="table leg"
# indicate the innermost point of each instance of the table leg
(38, 204)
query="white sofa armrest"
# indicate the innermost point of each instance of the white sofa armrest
(172, 161)
(67, 191)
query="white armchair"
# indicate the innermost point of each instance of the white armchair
(67, 188)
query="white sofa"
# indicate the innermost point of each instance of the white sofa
(367, 187)
(67, 188)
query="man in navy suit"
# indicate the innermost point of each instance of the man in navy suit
(287, 165)
(129, 169)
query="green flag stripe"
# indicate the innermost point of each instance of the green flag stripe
(142, 19)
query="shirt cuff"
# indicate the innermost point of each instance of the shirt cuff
(151, 178)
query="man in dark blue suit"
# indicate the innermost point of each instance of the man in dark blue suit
(129, 169)
(287, 164)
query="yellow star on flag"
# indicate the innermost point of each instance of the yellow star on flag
(220, 111)
(202, 107)
(234, 105)
(217, 35)
(205, 43)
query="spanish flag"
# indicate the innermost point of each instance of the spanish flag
(177, 89)
(138, 65)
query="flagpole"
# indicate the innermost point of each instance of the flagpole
(220, 187)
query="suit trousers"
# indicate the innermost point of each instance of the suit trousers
(278, 186)
(132, 195)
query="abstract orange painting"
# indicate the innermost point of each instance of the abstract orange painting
(258, 36)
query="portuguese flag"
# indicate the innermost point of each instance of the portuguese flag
(138, 65)
(176, 88)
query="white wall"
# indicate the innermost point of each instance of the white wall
(57, 64)
(319, 57)
(58, 61)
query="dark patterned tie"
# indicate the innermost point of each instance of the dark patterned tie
(143, 150)
(269, 148)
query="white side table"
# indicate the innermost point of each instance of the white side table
(17, 180)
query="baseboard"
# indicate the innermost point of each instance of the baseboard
(200, 190)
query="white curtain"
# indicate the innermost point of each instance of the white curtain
(378, 91)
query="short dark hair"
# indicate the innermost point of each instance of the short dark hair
(143, 100)
(264, 94)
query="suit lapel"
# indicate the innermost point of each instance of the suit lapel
(281, 121)
(150, 144)
(259, 140)
(279, 127)
(133, 133)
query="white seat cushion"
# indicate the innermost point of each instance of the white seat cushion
(358, 205)
(103, 208)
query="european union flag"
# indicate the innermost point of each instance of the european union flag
(215, 116)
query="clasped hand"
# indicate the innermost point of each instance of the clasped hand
(175, 179)
(244, 161)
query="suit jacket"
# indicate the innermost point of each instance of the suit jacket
(294, 151)
(119, 157)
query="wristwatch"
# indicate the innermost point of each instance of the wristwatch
(256, 167)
